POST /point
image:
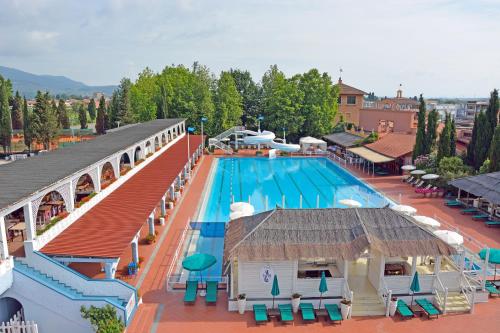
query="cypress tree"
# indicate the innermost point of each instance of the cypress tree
(27, 130)
(5, 116)
(431, 132)
(453, 138)
(82, 117)
(444, 140)
(44, 120)
(495, 151)
(92, 109)
(471, 147)
(100, 124)
(492, 111)
(17, 112)
(420, 141)
(62, 115)
(483, 140)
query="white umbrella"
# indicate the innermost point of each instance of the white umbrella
(418, 172)
(408, 167)
(427, 221)
(241, 206)
(408, 210)
(238, 214)
(450, 237)
(430, 176)
(350, 203)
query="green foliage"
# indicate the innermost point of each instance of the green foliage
(495, 151)
(120, 108)
(92, 109)
(62, 115)
(27, 127)
(228, 107)
(17, 112)
(44, 120)
(250, 94)
(452, 167)
(100, 124)
(492, 110)
(420, 141)
(142, 94)
(444, 139)
(82, 117)
(103, 320)
(5, 115)
(453, 138)
(431, 131)
(485, 168)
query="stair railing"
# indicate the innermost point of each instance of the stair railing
(468, 291)
(441, 288)
(385, 295)
(348, 294)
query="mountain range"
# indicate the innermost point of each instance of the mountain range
(28, 84)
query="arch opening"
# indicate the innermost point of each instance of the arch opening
(125, 164)
(163, 139)
(11, 308)
(84, 189)
(157, 144)
(51, 207)
(107, 175)
(137, 155)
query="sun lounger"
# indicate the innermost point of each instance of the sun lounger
(191, 291)
(418, 183)
(469, 211)
(333, 312)
(492, 289)
(428, 308)
(492, 223)
(480, 217)
(286, 314)
(403, 309)
(211, 296)
(454, 203)
(307, 311)
(260, 313)
(409, 179)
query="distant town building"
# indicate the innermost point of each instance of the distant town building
(350, 102)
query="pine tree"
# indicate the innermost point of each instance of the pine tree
(62, 114)
(431, 131)
(91, 108)
(444, 140)
(453, 138)
(483, 140)
(420, 141)
(492, 111)
(44, 120)
(162, 104)
(124, 114)
(27, 130)
(495, 151)
(82, 117)
(5, 115)
(100, 124)
(17, 112)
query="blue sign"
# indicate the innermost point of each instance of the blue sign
(191, 129)
(204, 119)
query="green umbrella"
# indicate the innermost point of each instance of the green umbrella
(323, 288)
(275, 291)
(415, 286)
(198, 262)
(494, 258)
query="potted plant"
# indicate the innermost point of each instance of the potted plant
(296, 302)
(345, 308)
(242, 303)
(150, 239)
(393, 306)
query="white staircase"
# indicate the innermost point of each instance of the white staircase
(367, 305)
(217, 141)
(456, 302)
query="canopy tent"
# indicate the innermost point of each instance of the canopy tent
(309, 142)
(370, 155)
(486, 186)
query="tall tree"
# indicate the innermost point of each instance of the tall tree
(162, 103)
(203, 95)
(100, 124)
(5, 115)
(444, 140)
(431, 131)
(62, 114)
(492, 110)
(495, 151)
(250, 94)
(17, 112)
(27, 130)
(483, 140)
(91, 108)
(124, 114)
(82, 117)
(453, 138)
(228, 103)
(471, 147)
(420, 141)
(44, 121)
(142, 96)
(114, 105)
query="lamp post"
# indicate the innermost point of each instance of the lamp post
(284, 134)
(189, 130)
(202, 120)
(260, 118)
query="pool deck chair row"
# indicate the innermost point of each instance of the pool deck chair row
(192, 292)
(307, 312)
(428, 308)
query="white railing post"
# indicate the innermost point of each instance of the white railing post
(445, 299)
(388, 303)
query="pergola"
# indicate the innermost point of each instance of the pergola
(370, 156)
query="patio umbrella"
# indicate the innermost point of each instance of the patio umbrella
(407, 210)
(275, 290)
(418, 172)
(427, 221)
(415, 286)
(350, 203)
(323, 288)
(450, 237)
(430, 176)
(494, 258)
(242, 206)
(408, 167)
(198, 262)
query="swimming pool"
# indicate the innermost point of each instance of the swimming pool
(266, 183)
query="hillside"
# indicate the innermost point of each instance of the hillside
(28, 84)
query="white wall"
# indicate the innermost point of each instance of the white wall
(6, 274)
(374, 271)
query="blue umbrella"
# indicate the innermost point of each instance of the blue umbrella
(198, 262)
(323, 288)
(415, 286)
(275, 290)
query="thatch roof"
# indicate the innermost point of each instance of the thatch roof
(486, 186)
(293, 234)
(344, 139)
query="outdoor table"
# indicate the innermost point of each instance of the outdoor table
(417, 310)
(21, 226)
(273, 313)
(321, 313)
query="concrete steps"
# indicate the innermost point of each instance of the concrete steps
(367, 306)
(455, 303)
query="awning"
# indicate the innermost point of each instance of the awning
(486, 186)
(370, 155)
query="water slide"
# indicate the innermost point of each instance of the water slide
(267, 137)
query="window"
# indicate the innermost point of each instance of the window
(351, 100)
(339, 100)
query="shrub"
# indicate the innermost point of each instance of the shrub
(296, 295)
(258, 153)
(242, 296)
(103, 320)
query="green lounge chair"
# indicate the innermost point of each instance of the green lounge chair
(428, 308)
(333, 312)
(307, 311)
(480, 217)
(191, 291)
(260, 313)
(469, 211)
(492, 289)
(403, 309)
(491, 223)
(286, 313)
(211, 296)
(454, 203)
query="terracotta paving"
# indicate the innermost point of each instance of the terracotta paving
(165, 311)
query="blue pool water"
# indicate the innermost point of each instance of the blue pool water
(320, 182)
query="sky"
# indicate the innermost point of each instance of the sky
(440, 48)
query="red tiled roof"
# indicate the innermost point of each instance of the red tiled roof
(393, 144)
(349, 90)
(109, 227)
